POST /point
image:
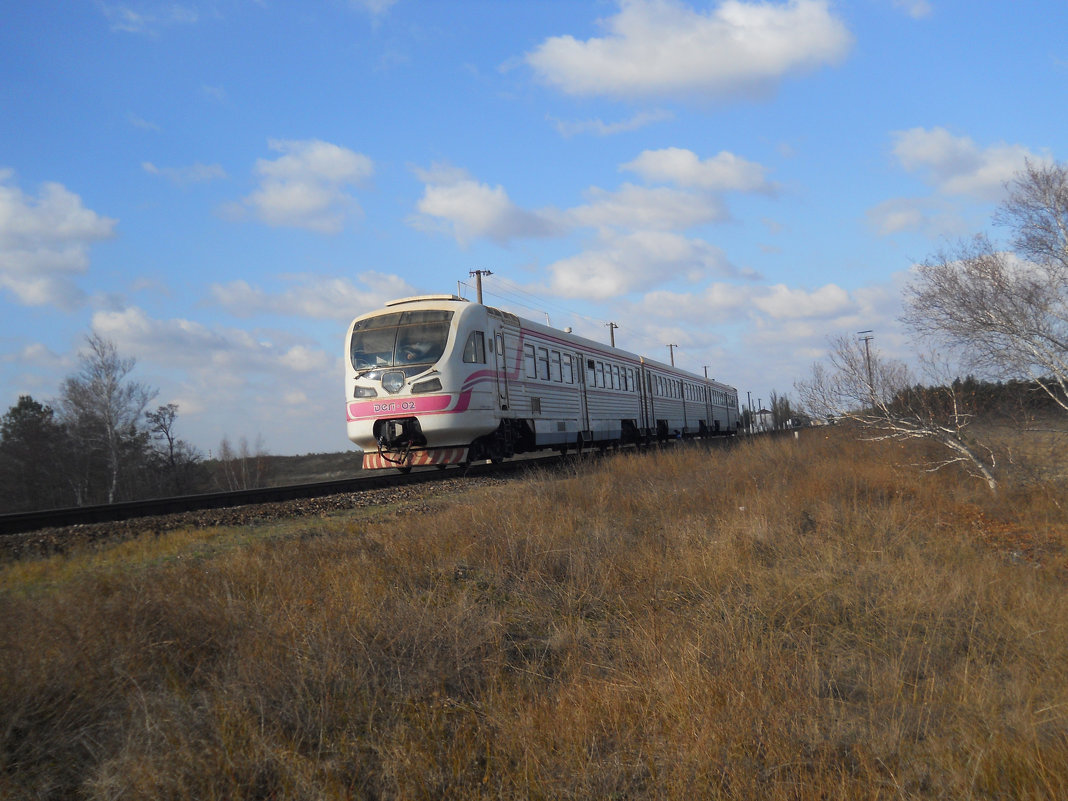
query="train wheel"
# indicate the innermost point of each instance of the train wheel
(404, 470)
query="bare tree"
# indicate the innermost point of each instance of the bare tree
(101, 407)
(1005, 312)
(781, 411)
(239, 468)
(878, 394)
(177, 460)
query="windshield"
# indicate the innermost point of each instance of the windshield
(399, 339)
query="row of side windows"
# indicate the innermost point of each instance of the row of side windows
(548, 365)
(553, 365)
(610, 376)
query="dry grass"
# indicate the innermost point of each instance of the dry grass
(787, 620)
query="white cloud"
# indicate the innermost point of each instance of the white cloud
(183, 176)
(957, 165)
(917, 9)
(374, 7)
(44, 242)
(598, 127)
(658, 208)
(188, 345)
(781, 302)
(635, 262)
(934, 217)
(476, 210)
(143, 124)
(306, 186)
(312, 296)
(720, 173)
(655, 47)
(235, 382)
(147, 17)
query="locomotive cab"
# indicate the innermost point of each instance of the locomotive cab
(419, 386)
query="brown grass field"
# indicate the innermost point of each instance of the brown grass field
(787, 619)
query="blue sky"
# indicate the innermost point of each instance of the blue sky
(219, 187)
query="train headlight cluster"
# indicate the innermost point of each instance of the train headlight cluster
(364, 392)
(433, 385)
(393, 381)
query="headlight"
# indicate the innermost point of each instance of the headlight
(364, 392)
(433, 385)
(393, 381)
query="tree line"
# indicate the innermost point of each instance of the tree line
(101, 441)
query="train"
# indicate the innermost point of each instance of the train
(440, 380)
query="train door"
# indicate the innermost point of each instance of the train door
(584, 404)
(645, 381)
(685, 404)
(500, 362)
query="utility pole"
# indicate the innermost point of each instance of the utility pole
(706, 371)
(867, 337)
(478, 281)
(612, 332)
(671, 349)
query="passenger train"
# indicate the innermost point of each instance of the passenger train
(438, 380)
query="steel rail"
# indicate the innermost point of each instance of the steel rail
(21, 522)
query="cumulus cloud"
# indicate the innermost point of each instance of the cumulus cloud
(722, 172)
(655, 47)
(306, 187)
(190, 345)
(44, 242)
(932, 216)
(656, 208)
(235, 382)
(957, 165)
(456, 202)
(633, 262)
(374, 7)
(313, 296)
(781, 302)
(917, 9)
(184, 176)
(598, 127)
(146, 17)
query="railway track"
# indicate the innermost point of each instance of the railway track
(22, 522)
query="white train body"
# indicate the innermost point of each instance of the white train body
(440, 380)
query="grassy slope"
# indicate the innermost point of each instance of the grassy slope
(792, 619)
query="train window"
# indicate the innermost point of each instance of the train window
(615, 377)
(529, 364)
(591, 373)
(543, 364)
(567, 369)
(600, 374)
(475, 349)
(554, 366)
(399, 338)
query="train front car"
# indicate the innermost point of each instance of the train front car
(418, 385)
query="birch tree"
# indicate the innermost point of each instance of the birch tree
(102, 407)
(1006, 311)
(878, 394)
